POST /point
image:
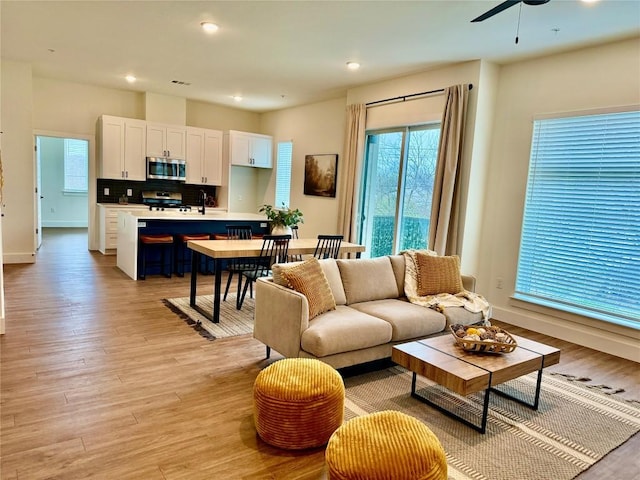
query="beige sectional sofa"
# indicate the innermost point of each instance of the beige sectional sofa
(372, 314)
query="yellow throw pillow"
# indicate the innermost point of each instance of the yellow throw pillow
(308, 279)
(438, 274)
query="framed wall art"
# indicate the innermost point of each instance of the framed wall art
(320, 174)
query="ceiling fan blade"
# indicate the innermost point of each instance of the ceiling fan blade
(495, 10)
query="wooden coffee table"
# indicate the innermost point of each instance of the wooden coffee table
(441, 360)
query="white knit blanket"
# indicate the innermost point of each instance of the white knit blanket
(470, 301)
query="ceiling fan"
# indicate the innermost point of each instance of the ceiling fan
(504, 5)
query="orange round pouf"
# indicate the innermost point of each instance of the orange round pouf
(385, 445)
(298, 403)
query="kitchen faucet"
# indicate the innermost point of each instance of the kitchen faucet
(203, 201)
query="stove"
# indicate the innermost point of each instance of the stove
(160, 208)
(161, 201)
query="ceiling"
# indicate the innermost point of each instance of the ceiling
(278, 54)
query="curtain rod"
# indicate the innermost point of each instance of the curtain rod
(404, 98)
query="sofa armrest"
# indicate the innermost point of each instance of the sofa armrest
(281, 316)
(469, 282)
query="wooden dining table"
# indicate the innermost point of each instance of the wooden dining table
(220, 250)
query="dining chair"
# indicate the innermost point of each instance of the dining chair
(328, 246)
(237, 265)
(294, 234)
(274, 250)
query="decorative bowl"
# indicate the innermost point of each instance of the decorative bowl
(473, 338)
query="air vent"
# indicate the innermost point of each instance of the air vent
(180, 82)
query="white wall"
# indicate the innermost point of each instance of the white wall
(602, 76)
(18, 227)
(313, 129)
(218, 117)
(165, 109)
(2, 321)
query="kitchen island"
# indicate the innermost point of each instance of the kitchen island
(133, 223)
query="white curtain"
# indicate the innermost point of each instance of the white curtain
(351, 167)
(445, 209)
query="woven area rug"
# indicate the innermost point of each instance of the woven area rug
(232, 321)
(573, 428)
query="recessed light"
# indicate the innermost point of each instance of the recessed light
(237, 98)
(209, 27)
(353, 65)
(130, 78)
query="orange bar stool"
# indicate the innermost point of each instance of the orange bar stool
(183, 254)
(164, 243)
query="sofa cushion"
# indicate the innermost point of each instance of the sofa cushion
(308, 278)
(398, 265)
(367, 279)
(331, 272)
(342, 330)
(438, 274)
(406, 319)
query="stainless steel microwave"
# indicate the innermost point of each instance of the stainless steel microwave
(166, 168)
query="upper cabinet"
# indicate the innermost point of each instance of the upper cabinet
(166, 141)
(250, 149)
(204, 156)
(121, 146)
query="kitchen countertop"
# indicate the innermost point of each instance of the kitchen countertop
(211, 214)
(140, 206)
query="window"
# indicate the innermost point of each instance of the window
(580, 244)
(76, 165)
(283, 174)
(398, 178)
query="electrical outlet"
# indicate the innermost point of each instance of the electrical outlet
(499, 283)
(239, 198)
(263, 225)
(129, 192)
(53, 210)
(106, 190)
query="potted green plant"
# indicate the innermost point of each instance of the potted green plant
(282, 219)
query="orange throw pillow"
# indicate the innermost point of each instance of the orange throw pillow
(308, 279)
(438, 274)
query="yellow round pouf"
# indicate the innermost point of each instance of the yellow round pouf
(298, 403)
(385, 445)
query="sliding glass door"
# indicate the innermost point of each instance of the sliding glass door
(397, 188)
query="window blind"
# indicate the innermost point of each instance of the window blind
(580, 244)
(283, 174)
(76, 165)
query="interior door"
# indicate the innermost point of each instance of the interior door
(38, 202)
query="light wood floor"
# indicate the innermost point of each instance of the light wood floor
(101, 380)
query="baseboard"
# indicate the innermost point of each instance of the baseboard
(8, 258)
(598, 339)
(64, 224)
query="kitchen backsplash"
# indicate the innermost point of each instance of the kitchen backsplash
(117, 188)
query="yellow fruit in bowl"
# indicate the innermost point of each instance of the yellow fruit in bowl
(472, 331)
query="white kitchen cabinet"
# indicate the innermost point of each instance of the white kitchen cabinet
(122, 144)
(108, 225)
(204, 156)
(250, 149)
(166, 141)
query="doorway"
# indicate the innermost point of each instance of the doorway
(62, 183)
